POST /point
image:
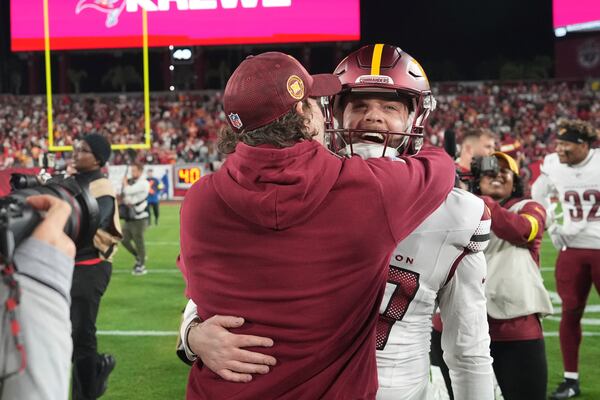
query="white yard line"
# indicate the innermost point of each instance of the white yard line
(555, 334)
(150, 271)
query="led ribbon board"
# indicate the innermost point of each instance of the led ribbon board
(94, 24)
(575, 15)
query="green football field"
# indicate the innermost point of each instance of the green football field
(139, 317)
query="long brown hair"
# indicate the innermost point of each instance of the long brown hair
(285, 131)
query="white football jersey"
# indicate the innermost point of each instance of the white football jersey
(578, 188)
(441, 261)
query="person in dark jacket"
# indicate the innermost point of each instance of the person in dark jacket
(93, 268)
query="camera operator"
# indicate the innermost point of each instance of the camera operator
(36, 365)
(516, 296)
(93, 268)
(477, 142)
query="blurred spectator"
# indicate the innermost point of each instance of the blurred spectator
(153, 196)
(135, 194)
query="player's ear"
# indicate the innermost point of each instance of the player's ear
(299, 108)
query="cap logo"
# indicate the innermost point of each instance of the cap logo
(295, 87)
(235, 120)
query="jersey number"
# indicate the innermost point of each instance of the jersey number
(407, 285)
(577, 214)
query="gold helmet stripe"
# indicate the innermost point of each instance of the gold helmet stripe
(376, 61)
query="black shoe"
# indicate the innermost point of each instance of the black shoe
(106, 363)
(139, 270)
(567, 389)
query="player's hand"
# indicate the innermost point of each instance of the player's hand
(222, 351)
(552, 216)
(50, 230)
(557, 237)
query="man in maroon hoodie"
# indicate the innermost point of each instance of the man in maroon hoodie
(296, 239)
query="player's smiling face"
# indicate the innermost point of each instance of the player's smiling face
(377, 113)
(571, 153)
(498, 187)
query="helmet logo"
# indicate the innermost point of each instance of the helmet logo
(415, 70)
(235, 120)
(295, 87)
(375, 79)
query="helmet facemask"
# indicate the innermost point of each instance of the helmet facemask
(374, 142)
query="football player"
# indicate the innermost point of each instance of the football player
(381, 111)
(574, 173)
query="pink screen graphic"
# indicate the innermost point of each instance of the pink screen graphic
(94, 24)
(570, 12)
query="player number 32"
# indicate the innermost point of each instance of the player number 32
(576, 214)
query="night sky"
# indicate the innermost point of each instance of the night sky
(453, 39)
(465, 32)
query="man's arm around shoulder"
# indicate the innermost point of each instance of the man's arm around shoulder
(413, 187)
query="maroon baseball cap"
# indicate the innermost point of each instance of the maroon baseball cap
(266, 86)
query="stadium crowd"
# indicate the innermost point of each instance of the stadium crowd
(184, 125)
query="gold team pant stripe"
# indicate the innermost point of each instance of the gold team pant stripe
(376, 62)
(534, 227)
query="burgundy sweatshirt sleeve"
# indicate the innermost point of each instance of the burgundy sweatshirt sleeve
(517, 228)
(413, 187)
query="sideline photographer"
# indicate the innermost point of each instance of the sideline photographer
(93, 268)
(35, 363)
(516, 296)
(477, 142)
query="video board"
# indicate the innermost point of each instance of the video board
(98, 24)
(575, 16)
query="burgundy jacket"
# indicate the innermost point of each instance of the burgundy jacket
(297, 241)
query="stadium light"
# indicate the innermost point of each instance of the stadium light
(171, 67)
(171, 88)
(560, 32)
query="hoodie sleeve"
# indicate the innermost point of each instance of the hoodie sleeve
(520, 228)
(413, 187)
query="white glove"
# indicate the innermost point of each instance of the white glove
(552, 217)
(557, 236)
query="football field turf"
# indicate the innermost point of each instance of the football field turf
(139, 317)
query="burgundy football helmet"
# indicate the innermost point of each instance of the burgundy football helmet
(392, 72)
